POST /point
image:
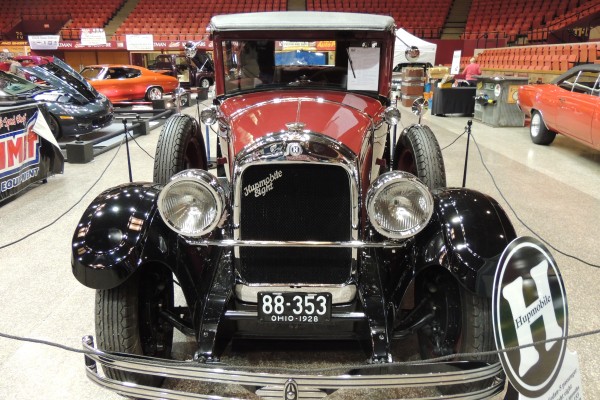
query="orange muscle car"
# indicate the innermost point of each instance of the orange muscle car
(129, 82)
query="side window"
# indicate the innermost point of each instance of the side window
(131, 73)
(115, 73)
(585, 82)
(596, 89)
(568, 83)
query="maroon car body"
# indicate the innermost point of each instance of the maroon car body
(569, 105)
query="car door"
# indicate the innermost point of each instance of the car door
(134, 82)
(578, 106)
(114, 84)
(596, 117)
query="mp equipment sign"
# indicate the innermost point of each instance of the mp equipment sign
(19, 150)
(529, 304)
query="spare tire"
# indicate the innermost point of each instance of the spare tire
(418, 152)
(180, 146)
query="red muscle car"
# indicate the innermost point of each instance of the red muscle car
(569, 105)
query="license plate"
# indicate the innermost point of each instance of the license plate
(294, 307)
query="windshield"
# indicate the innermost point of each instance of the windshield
(347, 65)
(11, 85)
(91, 72)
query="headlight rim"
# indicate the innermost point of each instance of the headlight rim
(380, 184)
(210, 183)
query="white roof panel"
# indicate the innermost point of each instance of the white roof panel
(301, 20)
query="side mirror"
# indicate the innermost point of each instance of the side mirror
(412, 53)
(419, 107)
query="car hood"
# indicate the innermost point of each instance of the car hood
(61, 78)
(346, 117)
(57, 63)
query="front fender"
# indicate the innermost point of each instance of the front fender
(467, 234)
(119, 231)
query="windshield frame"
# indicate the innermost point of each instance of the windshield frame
(385, 40)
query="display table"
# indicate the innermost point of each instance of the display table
(456, 100)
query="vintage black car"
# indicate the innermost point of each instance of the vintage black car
(314, 226)
(193, 69)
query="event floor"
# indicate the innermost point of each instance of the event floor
(555, 190)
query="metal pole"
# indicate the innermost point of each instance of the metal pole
(469, 123)
(393, 144)
(127, 147)
(207, 143)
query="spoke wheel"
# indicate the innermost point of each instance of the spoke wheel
(154, 93)
(205, 83)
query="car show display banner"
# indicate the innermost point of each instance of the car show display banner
(43, 42)
(27, 153)
(93, 36)
(139, 42)
(529, 310)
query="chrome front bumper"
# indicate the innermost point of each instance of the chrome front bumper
(292, 385)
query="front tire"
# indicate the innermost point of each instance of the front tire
(54, 127)
(418, 152)
(204, 83)
(154, 93)
(128, 321)
(461, 323)
(539, 132)
(180, 147)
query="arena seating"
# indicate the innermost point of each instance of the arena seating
(513, 17)
(82, 14)
(424, 21)
(552, 58)
(187, 18)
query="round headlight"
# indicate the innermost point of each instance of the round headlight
(392, 115)
(192, 203)
(209, 116)
(399, 205)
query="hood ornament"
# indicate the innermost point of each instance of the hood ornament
(295, 126)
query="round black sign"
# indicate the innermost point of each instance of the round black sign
(529, 304)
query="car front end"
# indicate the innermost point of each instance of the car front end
(76, 107)
(314, 227)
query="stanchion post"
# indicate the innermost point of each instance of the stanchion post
(127, 148)
(469, 123)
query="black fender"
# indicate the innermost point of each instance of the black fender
(120, 230)
(466, 235)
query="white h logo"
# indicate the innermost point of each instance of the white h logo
(525, 315)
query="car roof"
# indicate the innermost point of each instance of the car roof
(300, 21)
(583, 67)
(113, 66)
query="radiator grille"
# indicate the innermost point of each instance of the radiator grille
(295, 202)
